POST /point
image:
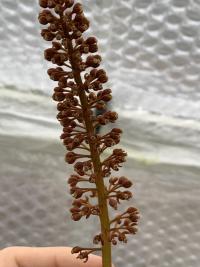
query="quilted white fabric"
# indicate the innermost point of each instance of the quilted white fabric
(151, 51)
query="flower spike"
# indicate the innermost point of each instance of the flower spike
(79, 93)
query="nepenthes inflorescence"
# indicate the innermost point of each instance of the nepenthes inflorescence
(78, 93)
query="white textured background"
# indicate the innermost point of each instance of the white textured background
(151, 51)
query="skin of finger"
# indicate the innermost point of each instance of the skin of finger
(44, 257)
(6, 260)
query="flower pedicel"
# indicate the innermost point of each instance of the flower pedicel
(78, 93)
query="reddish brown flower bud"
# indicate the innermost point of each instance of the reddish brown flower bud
(133, 217)
(60, 90)
(59, 36)
(132, 210)
(70, 157)
(96, 86)
(76, 250)
(51, 4)
(49, 53)
(93, 73)
(78, 167)
(126, 195)
(101, 105)
(119, 152)
(97, 239)
(69, 3)
(58, 96)
(103, 79)
(122, 238)
(75, 210)
(92, 178)
(56, 45)
(76, 34)
(43, 3)
(113, 203)
(125, 182)
(126, 222)
(47, 35)
(84, 49)
(76, 216)
(53, 27)
(91, 40)
(93, 61)
(100, 72)
(79, 41)
(83, 255)
(55, 76)
(106, 91)
(43, 20)
(60, 107)
(109, 142)
(81, 23)
(63, 82)
(106, 98)
(50, 71)
(101, 120)
(116, 130)
(132, 230)
(114, 242)
(77, 203)
(93, 48)
(59, 58)
(78, 8)
(76, 192)
(111, 116)
(64, 135)
(58, 9)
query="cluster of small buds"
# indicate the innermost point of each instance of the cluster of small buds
(115, 195)
(113, 162)
(124, 224)
(79, 93)
(82, 207)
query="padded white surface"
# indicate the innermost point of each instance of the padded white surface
(151, 50)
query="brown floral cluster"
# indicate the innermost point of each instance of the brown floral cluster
(79, 93)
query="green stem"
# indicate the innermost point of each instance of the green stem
(102, 198)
